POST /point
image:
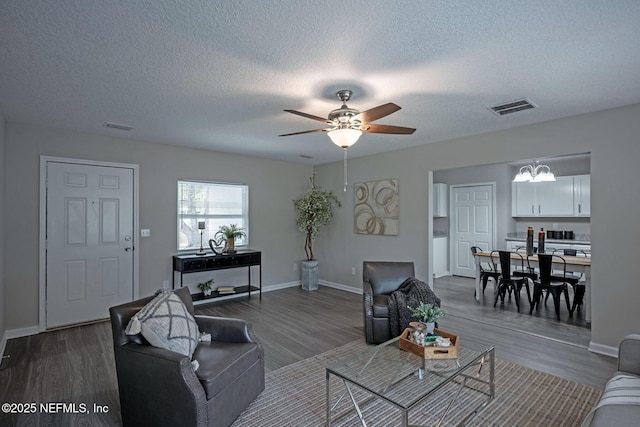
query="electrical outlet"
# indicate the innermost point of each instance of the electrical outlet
(353, 271)
(295, 266)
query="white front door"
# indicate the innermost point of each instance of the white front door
(472, 225)
(89, 241)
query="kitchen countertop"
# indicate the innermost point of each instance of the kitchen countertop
(581, 239)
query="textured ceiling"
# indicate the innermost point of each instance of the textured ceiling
(217, 74)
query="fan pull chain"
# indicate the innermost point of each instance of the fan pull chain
(345, 168)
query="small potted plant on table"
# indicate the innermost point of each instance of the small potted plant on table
(428, 314)
(205, 287)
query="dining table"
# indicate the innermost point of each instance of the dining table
(574, 264)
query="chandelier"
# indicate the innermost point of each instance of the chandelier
(534, 173)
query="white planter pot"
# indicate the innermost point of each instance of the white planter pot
(309, 279)
(430, 327)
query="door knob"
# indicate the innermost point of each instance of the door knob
(129, 249)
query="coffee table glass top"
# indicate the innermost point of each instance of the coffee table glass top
(399, 376)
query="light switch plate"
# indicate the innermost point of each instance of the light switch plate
(145, 232)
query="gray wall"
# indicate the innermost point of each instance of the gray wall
(498, 173)
(272, 187)
(613, 139)
(2, 239)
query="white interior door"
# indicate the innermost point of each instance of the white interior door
(472, 225)
(89, 241)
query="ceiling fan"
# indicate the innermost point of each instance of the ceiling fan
(347, 124)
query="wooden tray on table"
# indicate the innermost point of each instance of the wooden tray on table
(432, 351)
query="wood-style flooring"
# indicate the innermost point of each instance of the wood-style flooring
(75, 365)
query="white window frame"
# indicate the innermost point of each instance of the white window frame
(241, 220)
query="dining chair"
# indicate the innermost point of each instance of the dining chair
(554, 285)
(575, 280)
(526, 270)
(488, 271)
(508, 282)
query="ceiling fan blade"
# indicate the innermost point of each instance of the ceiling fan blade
(306, 131)
(390, 129)
(376, 113)
(309, 116)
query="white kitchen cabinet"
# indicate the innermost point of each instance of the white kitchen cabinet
(543, 199)
(582, 195)
(440, 257)
(440, 206)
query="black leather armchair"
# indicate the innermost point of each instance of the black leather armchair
(159, 387)
(379, 279)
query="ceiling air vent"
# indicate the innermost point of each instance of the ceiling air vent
(118, 126)
(513, 107)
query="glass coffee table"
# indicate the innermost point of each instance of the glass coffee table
(405, 380)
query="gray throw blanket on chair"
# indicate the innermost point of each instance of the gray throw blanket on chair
(410, 294)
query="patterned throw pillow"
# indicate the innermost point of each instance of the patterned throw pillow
(166, 323)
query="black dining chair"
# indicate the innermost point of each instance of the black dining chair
(508, 282)
(573, 279)
(554, 285)
(526, 270)
(488, 270)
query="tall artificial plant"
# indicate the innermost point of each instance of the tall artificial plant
(313, 211)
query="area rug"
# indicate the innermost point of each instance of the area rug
(295, 396)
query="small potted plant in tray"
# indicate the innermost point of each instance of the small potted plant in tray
(428, 314)
(205, 287)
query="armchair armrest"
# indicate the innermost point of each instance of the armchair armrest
(629, 354)
(176, 397)
(367, 301)
(367, 297)
(226, 329)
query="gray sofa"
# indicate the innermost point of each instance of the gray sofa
(620, 403)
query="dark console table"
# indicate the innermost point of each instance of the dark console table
(185, 264)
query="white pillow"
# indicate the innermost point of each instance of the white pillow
(166, 323)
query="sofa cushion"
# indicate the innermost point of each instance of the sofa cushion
(622, 389)
(380, 306)
(165, 322)
(619, 404)
(223, 362)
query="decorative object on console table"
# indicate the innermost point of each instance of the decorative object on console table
(226, 290)
(313, 211)
(231, 233)
(201, 227)
(205, 287)
(218, 246)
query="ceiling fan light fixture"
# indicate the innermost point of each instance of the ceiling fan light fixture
(344, 138)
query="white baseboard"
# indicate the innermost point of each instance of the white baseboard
(341, 287)
(3, 345)
(607, 350)
(22, 332)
